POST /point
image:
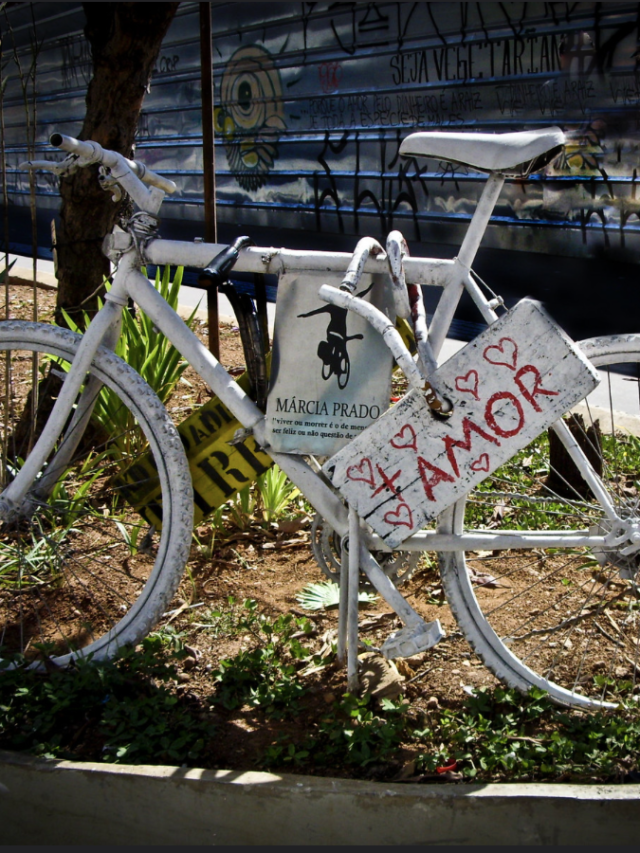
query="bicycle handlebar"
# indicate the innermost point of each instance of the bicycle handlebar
(92, 152)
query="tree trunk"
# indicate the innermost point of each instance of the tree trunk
(564, 478)
(125, 39)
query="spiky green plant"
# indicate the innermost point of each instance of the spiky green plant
(276, 493)
(151, 354)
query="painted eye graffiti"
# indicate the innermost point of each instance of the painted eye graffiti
(250, 118)
(244, 95)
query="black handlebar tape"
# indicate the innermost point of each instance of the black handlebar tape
(218, 270)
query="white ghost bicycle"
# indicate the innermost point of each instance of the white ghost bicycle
(539, 566)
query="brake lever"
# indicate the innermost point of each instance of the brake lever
(217, 272)
(62, 168)
(109, 184)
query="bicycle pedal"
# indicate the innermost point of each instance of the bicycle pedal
(412, 640)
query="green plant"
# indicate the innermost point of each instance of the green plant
(500, 734)
(353, 731)
(33, 556)
(130, 534)
(284, 751)
(124, 703)
(150, 353)
(33, 563)
(214, 523)
(265, 676)
(242, 507)
(358, 733)
(70, 496)
(220, 622)
(321, 596)
(276, 493)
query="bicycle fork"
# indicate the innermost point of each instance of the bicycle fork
(104, 329)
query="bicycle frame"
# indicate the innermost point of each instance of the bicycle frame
(452, 276)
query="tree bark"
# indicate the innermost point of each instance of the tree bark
(564, 478)
(125, 40)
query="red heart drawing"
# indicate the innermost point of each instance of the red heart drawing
(481, 463)
(405, 438)
(468, 384)
(363, 472)
(505, 352)
(398, 516)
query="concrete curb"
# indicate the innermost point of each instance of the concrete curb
(67, 802)
(24, 276)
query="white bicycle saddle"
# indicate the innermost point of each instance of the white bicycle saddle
(523, 152)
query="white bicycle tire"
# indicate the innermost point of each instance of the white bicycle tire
(480, 619)
(175, 482)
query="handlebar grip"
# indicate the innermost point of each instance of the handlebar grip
(95, 153)
(218, 270)
(75, 146)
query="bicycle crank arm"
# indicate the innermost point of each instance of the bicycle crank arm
(417, 635)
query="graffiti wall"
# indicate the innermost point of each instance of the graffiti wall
(313, 99)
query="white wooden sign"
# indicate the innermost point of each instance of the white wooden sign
(510, 383)
(330, 370)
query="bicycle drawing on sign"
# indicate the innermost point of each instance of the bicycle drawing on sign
(463, 466)
(333, 352)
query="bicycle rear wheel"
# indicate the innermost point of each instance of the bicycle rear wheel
(81, 572)
(566, 620)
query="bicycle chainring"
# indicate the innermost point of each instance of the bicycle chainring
(399, 566)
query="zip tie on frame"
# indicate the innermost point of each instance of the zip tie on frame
(143, 228)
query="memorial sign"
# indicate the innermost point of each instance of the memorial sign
(330, 371)
(219, 469)
(508, 385)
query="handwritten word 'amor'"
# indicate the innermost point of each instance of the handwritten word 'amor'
(504, 354)
(507, 386)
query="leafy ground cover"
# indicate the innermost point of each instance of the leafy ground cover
(238, 675)
(133, 710)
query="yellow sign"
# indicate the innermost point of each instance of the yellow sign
(406, 333)
(218, 469)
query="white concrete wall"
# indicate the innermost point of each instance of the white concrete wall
(63, 802)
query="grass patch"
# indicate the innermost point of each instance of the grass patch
(500, 735)
(265, 676)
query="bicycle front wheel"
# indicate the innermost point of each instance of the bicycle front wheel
(81, 571)
(564, 619)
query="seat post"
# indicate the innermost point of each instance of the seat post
(448, 302)
(480, 219)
